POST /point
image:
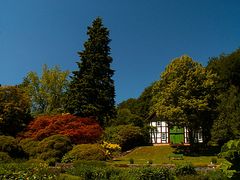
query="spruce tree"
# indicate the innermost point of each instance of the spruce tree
(92, 92)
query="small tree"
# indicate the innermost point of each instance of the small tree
(14, 110)
(79, 130)
(47, 93)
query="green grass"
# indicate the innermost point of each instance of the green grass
(159, 155)
(69, 177)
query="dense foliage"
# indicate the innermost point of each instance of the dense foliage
(47, 93)
(111, 149)
(185, 169)
(184, 94)
(85, 152)
(92, 87)
(10, 146)
(14, 110)
(139, 107)
(231, 152)
(50, 149)
(127, 136)
(227, 67)
(92, 170)
(135, 111)
(30, 147)
(227, 124)
(5, 158)
(79, 130)
(95, 170)
(125, 117)
(26, 171)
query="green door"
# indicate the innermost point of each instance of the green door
(176, 135)
(176, 138)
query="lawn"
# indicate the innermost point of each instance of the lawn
(159, 155)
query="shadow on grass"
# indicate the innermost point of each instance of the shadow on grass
(197, 150)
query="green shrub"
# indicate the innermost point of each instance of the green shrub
(26, 171)
(5, 158)
(226, 169)
(231, 152)
(127, 136)
(67, 177)
(10, 145)
(111, 150)
(36, 161)
(50, 149)
(131, 161)
(90, 163)
(93, 170)
(150, 161)
(53, 148)
(146, 173)
(185, 169)
(195, 177)
(214, 160)
(85, 152)
(216, 175)
(30, 146)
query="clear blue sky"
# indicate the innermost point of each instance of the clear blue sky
(146, 35)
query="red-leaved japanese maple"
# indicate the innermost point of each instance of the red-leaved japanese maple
(79, 130)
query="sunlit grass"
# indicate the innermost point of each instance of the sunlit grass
(69, 177)
(159, 155)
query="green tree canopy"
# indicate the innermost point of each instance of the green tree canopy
(14, 110)
(131, 104)
(184, 94)
(125, 117)
(135, 111)
(227, 123)
(92, 89)
(231, 152)
(145, 102)
(47, 93)
(227, 67)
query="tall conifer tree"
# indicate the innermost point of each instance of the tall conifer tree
(92, 89)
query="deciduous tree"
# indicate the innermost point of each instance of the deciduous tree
(227, 123)
(184, 94)
(135, 111)
(79, 130)
(14, 110)
(227, 67)
(47, 93)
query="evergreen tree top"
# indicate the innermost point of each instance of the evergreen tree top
(92, 89)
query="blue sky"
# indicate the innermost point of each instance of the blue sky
(146, 35)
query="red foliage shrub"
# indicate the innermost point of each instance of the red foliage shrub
(79, 130)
